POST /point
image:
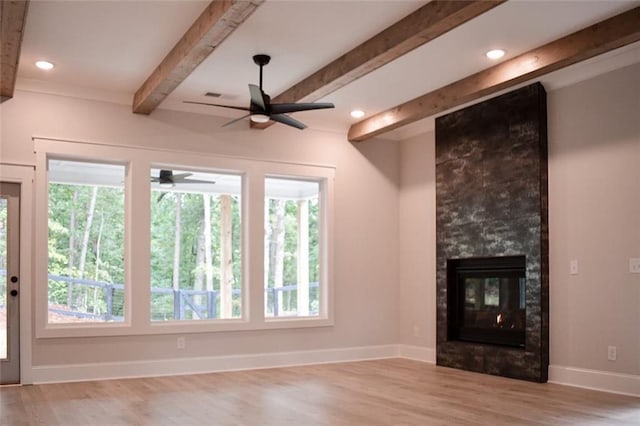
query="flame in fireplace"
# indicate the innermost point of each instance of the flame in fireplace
(499, 319)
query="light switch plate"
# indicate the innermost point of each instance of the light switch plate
(634, 265)
(573, 267)
(612, 353)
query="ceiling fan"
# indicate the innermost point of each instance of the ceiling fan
(261, 109)
(167, 178)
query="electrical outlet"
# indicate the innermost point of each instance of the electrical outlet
(181, 343)
(573, 267)
(634, 265)
(612, 353)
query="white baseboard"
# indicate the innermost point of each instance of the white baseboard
(625, 384)
(417, 353)
(200, 365)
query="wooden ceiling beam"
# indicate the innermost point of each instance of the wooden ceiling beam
(213, 26)
(610, 34)
(13, 15)
(425, 24)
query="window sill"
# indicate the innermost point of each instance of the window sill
(177, 327)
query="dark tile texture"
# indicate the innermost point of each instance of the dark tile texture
(491, 200)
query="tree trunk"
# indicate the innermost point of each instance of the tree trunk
(226, 268)
(176, 258)
(200, 265)
(278, 272)
(303, 258)
(85, 242)
(98, 243)
(176, 243)
(87, 232)
(267, 252)
(208, 260)
(96, 274)
(72, 246)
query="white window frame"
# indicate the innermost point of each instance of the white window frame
(138, 162)
(322, 252)
(243, 248)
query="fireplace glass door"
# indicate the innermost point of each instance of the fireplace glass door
(487, 301)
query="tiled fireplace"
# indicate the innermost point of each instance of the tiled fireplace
(492, 236)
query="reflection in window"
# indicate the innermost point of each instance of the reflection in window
(86, 242)
(196, 260)
(291, 278)
(492, 291)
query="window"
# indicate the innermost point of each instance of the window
(291, 247)
(136, 241)
(196, 262)
(86, 242)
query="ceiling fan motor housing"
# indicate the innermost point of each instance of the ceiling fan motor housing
(165, 176)
(261, 59)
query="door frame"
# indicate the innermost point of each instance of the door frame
(24, 175)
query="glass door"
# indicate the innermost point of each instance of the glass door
(9, 283)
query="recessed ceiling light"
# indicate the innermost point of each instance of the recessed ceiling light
(495, 54)
(44, 65)
(356, 113)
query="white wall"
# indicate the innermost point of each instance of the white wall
(594, 217)
(366, 214)
(417, 242)
(385, 224)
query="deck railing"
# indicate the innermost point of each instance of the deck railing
(202, 304)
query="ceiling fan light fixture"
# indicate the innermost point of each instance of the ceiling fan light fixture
(259, 118)
(167, 184)
(495, 54)
(357, 113)
(45, 65)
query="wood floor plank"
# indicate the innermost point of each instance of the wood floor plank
(381, 392)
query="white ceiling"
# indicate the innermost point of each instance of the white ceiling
(106, 49)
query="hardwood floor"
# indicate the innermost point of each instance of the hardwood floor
(383, 392)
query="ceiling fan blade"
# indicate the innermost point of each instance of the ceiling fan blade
(181, 175)
(181, 181)
(285, 119)
(217, 105)
(257, 97)
(236, 120)
(154, 179)
(287, 108)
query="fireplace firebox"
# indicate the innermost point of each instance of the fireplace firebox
(487, 300)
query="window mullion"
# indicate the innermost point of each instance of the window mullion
(137, 229)
(254, 244)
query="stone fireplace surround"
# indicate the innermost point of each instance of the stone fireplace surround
(491, 201)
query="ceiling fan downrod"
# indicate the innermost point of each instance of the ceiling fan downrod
(261, 60)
